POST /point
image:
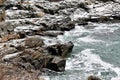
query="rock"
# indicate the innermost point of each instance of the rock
(106, 0)
(9, 37)
(57, 64)
(48, 7)
(34, 42)
(84, 6)
(55, 0)
(20, 48)
(1, 2)
(2, 14)
(60, 49)
(5, 51)
(21, 34)
(26, 66)
(51, 33)
(59, 23)
(67, 25)
(10, 56)
(93, 78)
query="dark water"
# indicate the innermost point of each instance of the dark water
(96, 52)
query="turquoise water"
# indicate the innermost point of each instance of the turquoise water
(96, 52)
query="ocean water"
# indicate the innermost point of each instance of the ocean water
(96, 52)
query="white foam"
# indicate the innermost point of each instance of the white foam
(77, 32)
(106, 29)
(87, 58)
(89, 39)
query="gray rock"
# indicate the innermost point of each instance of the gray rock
(57, 64)
(34, 42)
(57, 23)
(60, 49)
(51, 33)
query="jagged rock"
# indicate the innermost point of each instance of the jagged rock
(60, 49)
(57, 64)
(34, 42)
(60, 23)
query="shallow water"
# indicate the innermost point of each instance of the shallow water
(96, 52)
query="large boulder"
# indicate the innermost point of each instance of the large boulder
(57, 64)
(60, 49)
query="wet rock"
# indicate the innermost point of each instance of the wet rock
(10, 56)
(51, 33)
(93, 78)
(5, 28)
(26, 66)
(20, 47)
(84, 6)
(8, 50)
(48, 7)
(66, 12)
(55, 0)
(21, 34)
(60, 49)
(57, 64)
(34, 42)
(57, 23)
(67, 25)
(35, 58)
(106, 0)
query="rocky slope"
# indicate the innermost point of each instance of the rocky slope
(28, 36)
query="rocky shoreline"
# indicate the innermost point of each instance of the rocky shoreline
(29, 30)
